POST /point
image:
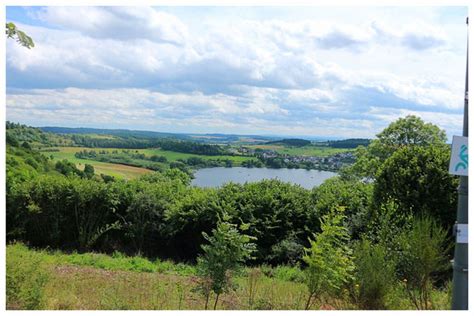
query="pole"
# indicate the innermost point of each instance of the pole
(460, 266)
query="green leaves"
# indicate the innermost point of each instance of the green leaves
(417, 180)
(224, 254)
(329, 259)
(374, 275)
(424, 252)
(20, 36)
(407, 131)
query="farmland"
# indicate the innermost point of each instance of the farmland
(111, 169)
(125, 171)
(316, 151)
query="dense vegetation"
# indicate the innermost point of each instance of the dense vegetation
(297, 142)
(152, 162)
(349, 143)
(327, 231)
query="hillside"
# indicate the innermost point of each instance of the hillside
(296, 142)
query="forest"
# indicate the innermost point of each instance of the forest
(383, 224)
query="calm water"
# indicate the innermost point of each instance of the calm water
(214, 177)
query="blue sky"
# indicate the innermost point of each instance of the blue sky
(316, 71)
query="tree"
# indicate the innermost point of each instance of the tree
(354, 196)
(329, 258)
(20, 36)
(275, 211)
(226, 252)
(407, 131)
(88, 171)
(417, 180)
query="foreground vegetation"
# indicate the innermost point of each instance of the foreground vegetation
(90, 281)
(381, 227)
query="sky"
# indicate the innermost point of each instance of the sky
(295, 71)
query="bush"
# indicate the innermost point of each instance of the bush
(288, 251)
(374, 275)
(226, 252)
(26, 276)
(417, 180)
(329, 259)
(288, 273)
(424, 253)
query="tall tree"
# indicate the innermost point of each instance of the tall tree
(417, 180)
(407, 131)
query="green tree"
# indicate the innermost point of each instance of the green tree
(417, 179)
(275, 211)
(407, 131)
(329, 258)
(13, 32)
(227, 250)
(88, 171)
(354, 196)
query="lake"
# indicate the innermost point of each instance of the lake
(214, 177)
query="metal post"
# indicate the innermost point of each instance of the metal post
(460, 266)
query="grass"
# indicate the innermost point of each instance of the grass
(173, 156)
(111, 169)
(92, 281)
(124, 171)
(316, 151)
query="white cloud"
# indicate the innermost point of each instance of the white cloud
(295, 76)
(451, 123)
(121, 23)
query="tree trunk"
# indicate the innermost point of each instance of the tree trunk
(308, 302)
(207, 300)
(215, 303)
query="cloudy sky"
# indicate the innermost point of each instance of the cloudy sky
(316, 71)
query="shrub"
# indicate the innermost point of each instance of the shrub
(329, 259)
(26, 276)
(424, 252)
(226, 251)
(374, 275)
(253, 279)
(288, 273)
(289, 251)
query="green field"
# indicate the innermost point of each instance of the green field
(124, 171)
(173, 156)
(316, 151)
(111, 169)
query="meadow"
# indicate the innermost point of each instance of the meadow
(55, 280)
(317, 151)
(111, 169)
(124, 171)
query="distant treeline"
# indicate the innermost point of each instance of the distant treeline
(142, 143)
(153, 162)
(348, 143)
(296, 142)
(16, 132)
